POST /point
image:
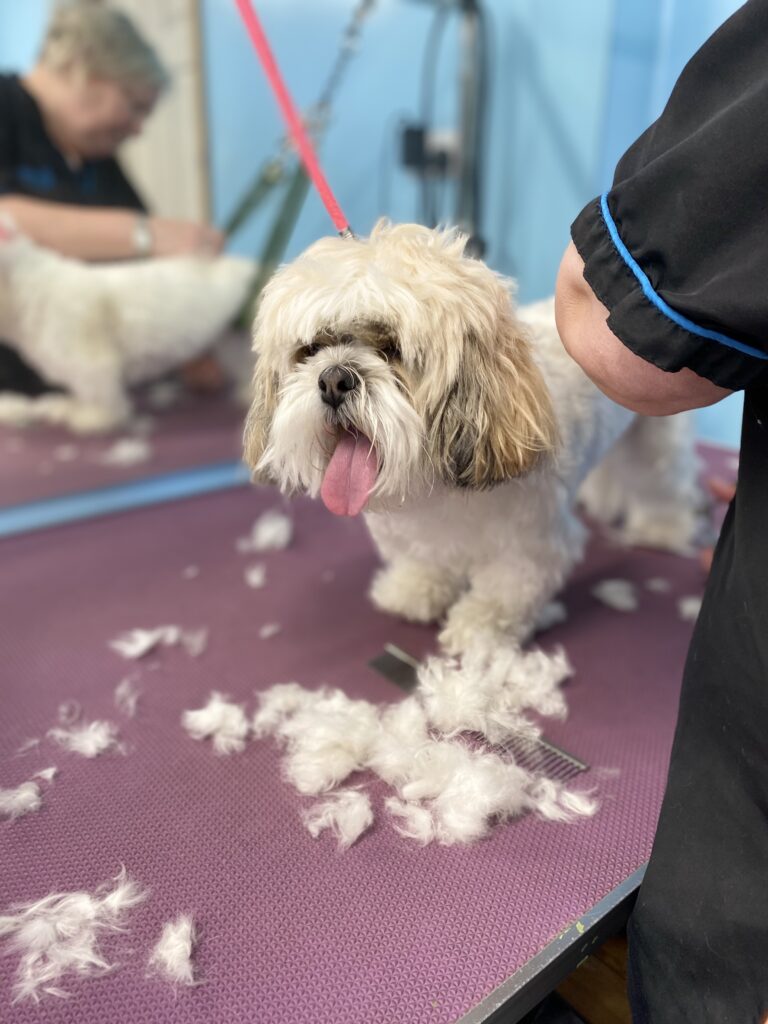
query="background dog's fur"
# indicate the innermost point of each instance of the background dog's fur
(483, 426)
(97, 329)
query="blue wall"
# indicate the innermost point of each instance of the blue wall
(21, 29)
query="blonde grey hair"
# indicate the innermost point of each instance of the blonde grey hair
(91, 37)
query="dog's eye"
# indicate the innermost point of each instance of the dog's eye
(390, 351)
(307, 351)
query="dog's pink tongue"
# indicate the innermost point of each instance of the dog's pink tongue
(350, 476)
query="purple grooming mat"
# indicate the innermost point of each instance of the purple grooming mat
(45, 462)
(291, 930)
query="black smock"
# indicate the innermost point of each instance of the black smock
(31, 165)
(677, 251)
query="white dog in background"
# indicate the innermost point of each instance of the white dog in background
(394, 374)
(97, 329)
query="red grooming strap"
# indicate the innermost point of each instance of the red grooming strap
(291, 114)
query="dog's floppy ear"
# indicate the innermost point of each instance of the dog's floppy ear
(496, 421)
(259, 420)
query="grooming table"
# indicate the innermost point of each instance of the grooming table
(291, 930)
(44, 462)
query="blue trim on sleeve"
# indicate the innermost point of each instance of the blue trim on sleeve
(657, 300)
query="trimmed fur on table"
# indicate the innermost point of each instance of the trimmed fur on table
(61, 935)
(434, 748)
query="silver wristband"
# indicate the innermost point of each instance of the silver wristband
(143, 243)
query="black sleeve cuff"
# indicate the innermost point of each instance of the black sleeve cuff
(644, 328)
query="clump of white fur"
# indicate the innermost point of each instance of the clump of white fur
(86, 738)
(621, 595)
(447, 789)
(127, 696)
(172, 956)
(14, 803)
(221, 720)
(136, 643)
(490, 691)
(256, 576)
(60, 934)
(127, 451)
(689, 607)
(327, 735)
(272, 531)
(347, 813)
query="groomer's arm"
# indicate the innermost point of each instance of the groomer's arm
(103, 233)
(627, 378)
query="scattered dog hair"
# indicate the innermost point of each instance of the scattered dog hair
(60, 934)
(127, 696)
(69, 712)
(172, 956)
(28, 745)
(490, 691)
(621, 595)
(191, 572)
(554, 613)
(658, 585)
(347, 813)
(128, 451)
(256, 575)
(89, 739)
(270, 629)
(15, 803)
(194, 642)
(327, 735)
(448, 789)
(221, 720)
(136, 643)
(47, 774)
(272, 531)
(689, 607)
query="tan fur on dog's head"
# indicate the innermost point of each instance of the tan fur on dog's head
(431, 336)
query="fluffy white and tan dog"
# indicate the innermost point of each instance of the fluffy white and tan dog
(395, 375)
(97, 329)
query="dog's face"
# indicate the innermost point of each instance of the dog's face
(388, 364)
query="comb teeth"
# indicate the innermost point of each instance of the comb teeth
(541, 757)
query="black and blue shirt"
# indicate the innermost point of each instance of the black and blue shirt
(31, 165)
(677, 250)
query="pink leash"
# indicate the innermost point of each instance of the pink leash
(291, 116)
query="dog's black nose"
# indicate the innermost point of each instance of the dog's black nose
(334, 383)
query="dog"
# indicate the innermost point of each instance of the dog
(394, 376)
(95, 330)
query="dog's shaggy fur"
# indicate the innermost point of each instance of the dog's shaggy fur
(482, 427)
(97, 329)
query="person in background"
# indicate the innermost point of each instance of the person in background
(662, 300)
(94, 84)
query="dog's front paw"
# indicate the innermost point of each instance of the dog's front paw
(414, 591)
(478, 620)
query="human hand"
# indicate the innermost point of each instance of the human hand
(184, 238)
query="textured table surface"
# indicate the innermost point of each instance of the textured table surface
(46, 462)
(291, 930)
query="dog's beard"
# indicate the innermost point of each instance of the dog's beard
(379, 413)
